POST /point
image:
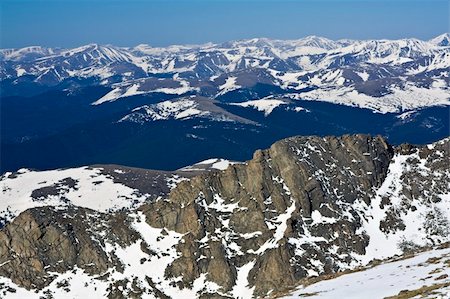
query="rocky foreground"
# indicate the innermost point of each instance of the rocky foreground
(305, 207)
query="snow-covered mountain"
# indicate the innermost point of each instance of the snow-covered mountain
(387, 72)
(308, 209)
(442, 40)
(182, 109)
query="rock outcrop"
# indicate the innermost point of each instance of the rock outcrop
(261, 206)
(305, 206)
(44, 240)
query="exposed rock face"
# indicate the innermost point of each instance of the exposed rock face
(44, 240)
(260, 206)
(306, 206)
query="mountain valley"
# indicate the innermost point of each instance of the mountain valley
(106, 104)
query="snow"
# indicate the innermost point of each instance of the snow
(221, 164)
(208, 161)
(383, 245)
(380, 245)
(317, 217)
(129, 89)
(363, 75)
(229, 85)
(174, 180)
(442, 40)
(300, 109)
(263, 105)
(178, 109)
(289, 80)
(406, 115)
(93, 190)
(213, 163)
(384, 280)
(241, 290)
(182, 89)
(396, 101)
(163, 245)
(325, 71)
(220, 206)
(439, 83)
(110, 96)
(80, 283)
(99, 192)
(137, 265)
(20, 72)
(280, 223)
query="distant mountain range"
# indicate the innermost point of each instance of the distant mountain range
(245, 93)
(377, 74)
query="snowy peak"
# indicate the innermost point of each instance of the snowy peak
(442, 40)
(26, 54)
(254, 42)
(383, 72)
(318, 42)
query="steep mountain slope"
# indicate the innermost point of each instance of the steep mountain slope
(422, 275)
(306, 206)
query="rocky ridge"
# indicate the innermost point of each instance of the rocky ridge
(306, 206)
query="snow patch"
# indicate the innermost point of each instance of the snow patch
(242, 290)
(263, 105)
(91, 189)
(229, 85)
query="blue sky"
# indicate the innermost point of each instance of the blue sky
(69, 23)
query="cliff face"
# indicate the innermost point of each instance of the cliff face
(303, 207)
(282, 211)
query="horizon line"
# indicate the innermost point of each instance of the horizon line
(211, 43)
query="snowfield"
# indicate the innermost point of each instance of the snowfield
(84, 187)
(388, 279)
(397, 100)
(263, 105)
(229, 85)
